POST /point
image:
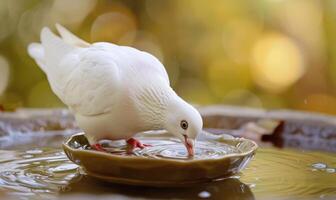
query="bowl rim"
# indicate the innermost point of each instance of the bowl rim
(66, 145)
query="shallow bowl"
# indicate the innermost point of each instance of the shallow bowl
(160, 172)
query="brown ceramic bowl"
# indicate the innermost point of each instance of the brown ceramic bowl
(163, 172)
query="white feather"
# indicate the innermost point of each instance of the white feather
(36, 51)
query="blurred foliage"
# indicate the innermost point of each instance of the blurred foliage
(266, 53)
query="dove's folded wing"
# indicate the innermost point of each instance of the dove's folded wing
(146, 62)
(88, 77)
(93, 87)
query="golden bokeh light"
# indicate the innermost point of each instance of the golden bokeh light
(31, 23)
(113, 26)
(277, 62)
(304, 21)
(267, 54)
(147, 42)
(73, 13)
(238, 38)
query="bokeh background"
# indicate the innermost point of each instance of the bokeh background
(264, 54)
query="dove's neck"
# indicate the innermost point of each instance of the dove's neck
(152, 103)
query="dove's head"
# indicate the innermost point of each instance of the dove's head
(183, 121)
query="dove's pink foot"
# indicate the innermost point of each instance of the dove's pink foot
(134, 143)
(98, 147)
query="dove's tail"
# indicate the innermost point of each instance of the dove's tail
(36, 51)
(70, 38)
(52, 48)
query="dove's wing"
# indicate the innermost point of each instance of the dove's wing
(94, 86)
(85, 79)
(88, 77)
(135, 64)
(146, 63)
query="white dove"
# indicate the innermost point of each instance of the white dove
(113, 91)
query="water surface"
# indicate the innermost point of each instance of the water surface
(35, 167)
(46, 172)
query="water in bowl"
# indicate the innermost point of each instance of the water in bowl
(171, 148)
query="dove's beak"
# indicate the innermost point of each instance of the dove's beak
(189, 143)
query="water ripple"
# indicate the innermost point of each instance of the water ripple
(35, 173)
(283, 173)
(176, 150)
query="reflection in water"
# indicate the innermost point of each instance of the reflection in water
(289, 173)
(47, 173)
(230, 188)
(319, 165)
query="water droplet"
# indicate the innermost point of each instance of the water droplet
(204, 194)
(319, 165)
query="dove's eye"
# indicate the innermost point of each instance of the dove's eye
(184, 124)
